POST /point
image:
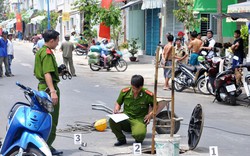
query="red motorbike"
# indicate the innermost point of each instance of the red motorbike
(81, 49)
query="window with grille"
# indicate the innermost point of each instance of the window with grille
(210, 23)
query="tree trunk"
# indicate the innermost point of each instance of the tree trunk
(219, 22)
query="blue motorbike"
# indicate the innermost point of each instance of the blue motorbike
(29, 125)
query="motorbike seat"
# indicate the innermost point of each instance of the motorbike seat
(190, 68)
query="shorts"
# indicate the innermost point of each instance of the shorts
(194, 59)
(168, 71)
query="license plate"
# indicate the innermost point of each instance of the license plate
(231, 88)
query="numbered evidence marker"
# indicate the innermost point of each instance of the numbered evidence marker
(77, 139)
(137, 148)
(213, 150)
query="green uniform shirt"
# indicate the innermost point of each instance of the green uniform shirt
(46, 63)
(135, 107)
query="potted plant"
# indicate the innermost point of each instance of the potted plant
(133, 48)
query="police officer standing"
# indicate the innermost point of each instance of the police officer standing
(46, 71)
(138, 105)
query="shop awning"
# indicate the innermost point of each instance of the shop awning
(11, 23)
(239, 8)
(37, 19)
(28, 14)
(131, 3)
(151, 4)
(240, 11)
(210, 6)
(4, 23)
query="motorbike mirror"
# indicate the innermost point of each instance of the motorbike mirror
(203, 53)
(236, 58)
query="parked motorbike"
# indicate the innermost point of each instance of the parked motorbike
(81, 49)
(29, 125)
(226, 89)
(217, 65)
(189, 76)
(114, 60)
(245, 78)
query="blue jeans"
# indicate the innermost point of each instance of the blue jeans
(10, 58)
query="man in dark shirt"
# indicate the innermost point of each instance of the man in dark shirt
(238, 48)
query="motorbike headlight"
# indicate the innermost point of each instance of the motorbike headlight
(46, 102)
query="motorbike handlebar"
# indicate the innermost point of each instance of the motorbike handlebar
(247, 65)
(27, 89)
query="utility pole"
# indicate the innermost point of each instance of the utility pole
(48, 14)
(219, 21)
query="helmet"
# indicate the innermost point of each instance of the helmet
(101, 125)
(201, 58)
(5, 32)
(110, 46)
(104, 41)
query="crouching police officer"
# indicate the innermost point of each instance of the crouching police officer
(138, 105)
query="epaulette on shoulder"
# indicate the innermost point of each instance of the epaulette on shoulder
(125, 89)
(149, 92)
(49, 51)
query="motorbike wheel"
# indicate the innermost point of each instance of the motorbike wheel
(94, 67)
(28, 152)
(202, 85)
(64, 76)
(178, 87)
(166, 115)
(121, 65)
(210, 88)
(232, 100)
(70, 76)
(79, 53)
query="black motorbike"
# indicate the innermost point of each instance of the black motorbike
(189, 76)
(115, 60)
(226, 89)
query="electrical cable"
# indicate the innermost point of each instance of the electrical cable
(236, 133)
(99, 154)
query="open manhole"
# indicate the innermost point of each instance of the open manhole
(194, 131)
(148, 151)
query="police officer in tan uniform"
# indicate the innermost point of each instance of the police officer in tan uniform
(46, 71)
(138, 105)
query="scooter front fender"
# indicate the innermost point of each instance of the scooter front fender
(30, 138)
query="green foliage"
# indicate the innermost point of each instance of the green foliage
(3, 11)
(10, 15)
(116, 33)
(90, 8)
(110, 17)
(124, 45)
(94, 14)
(185, 14)
(244, 36)
(53, 19)
(133, 46)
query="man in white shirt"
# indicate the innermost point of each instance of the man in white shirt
(10, 51)
(210, 47)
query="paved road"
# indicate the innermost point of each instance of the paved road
(225, 126)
